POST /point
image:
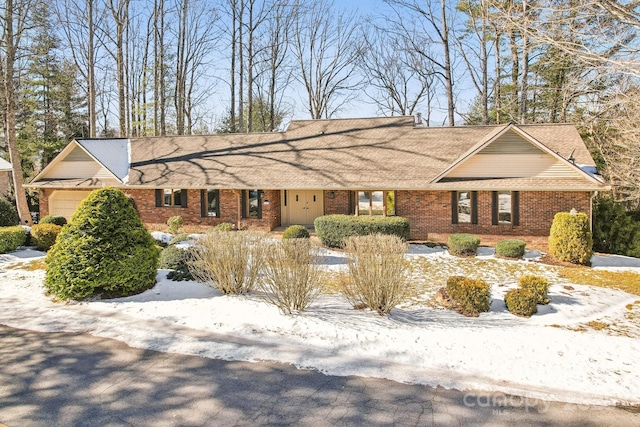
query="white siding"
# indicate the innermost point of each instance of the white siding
(77, 169)
(65, 203)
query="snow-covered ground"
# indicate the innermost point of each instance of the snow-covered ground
(554, 355)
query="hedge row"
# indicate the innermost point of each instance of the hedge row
(333, 230)
(11, 238)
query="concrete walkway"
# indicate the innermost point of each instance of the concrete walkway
(64, 379)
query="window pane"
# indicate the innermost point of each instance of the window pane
(363, 202)
(254, 207)
(504, 207)
(177, 197)
(212, 202)
(168, 193)
(377, 202)
(464, 207)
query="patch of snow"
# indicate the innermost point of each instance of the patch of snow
(540, 357)
(161, 236)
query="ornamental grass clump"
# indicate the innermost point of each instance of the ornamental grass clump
(230, 262)
(378, 272)
(43, 236)
(175, 224)
(462, 244)
(470, 296)
(510, 248)
(521, 302)
(570, 239)
(103, 250)
(291, 277)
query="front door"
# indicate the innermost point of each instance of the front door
(304, 206)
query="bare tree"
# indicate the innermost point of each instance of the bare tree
(159, 70)
(326, 47)
(119, 10)
(15, 24)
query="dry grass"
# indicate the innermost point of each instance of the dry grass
(378, 272)
(291, 279)
(623, 280)
(36, 264)
(229, 261)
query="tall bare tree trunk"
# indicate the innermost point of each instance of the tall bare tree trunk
(448, 76)
(234, 40)
(11, 42)
(91, 74)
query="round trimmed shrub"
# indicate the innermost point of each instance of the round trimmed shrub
(54, 219)
(333, 230)
(539, 286)
(510, 248)
(472, 296)
(175, 224)
(43, 236)
(570, 239)
(8, 213)
(462, 244)
(521, 302)
(11, 238)
(104, 249)
(296, 232)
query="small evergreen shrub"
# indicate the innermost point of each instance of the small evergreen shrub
(521, 302)
(570, 239)
(462, 244)
(378, 272)
(11, 238)
(333, 230)
(510, 248)
(182, 237)
(54, 219)
(296, 232)
(471, 296)
(8, 213)
(175, 224)
(104, 249)
(43, 236)
(538, 286)
(615, 231)
(225, 226)
(174, 258)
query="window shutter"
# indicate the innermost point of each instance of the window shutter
(183, 193)
(203, 203)
(474, 207)
(454, 207)
(159, 195)
(494, 208)
(515, 207)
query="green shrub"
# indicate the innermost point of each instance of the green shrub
(296, 232)
(462, 244)
(174, 258)
(539, 286)
(333, 230)
(570, 239)
(471, 296)
(521, 302)
(175, 224)
(104, 249)
(43, 236)
(11, 238)
(8, 213)
(225, 226)
(615, 231)
(54, 219)
(378, 272)
(510, 248)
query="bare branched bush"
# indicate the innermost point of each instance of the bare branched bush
(229, 261)
(291, 277)
(378, 272)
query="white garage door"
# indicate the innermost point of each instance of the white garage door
(65, 203)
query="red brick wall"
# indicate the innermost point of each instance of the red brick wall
(430, 212)
(145, 201)
(339, 204)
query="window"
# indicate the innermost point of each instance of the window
(505, 207)
(210, 203)
(464, 207)
(374, 203)
(252, 204)
(171, 197)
